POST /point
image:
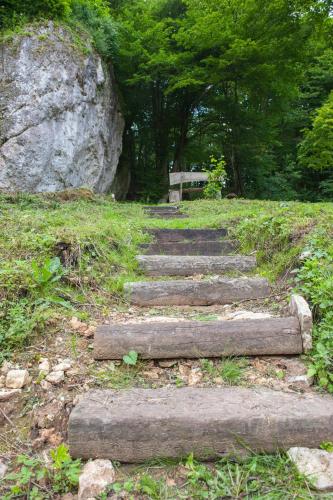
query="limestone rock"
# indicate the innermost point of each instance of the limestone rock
(6, 366)
(44, 366)
(55, 377)
(95, 477)
(3, 469)
(7, 394)
(2, 381)
(300, 308)
(61, 125)
(63, 366)
(16, 379)
(316, 465)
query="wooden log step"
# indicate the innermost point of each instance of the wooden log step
(174, 265)
(196, 293)
(183, 235)
(162, 207)
(200, 339)
(142, 424)
(224, 247)
(167, 215)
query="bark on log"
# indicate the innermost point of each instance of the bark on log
(171, 235)
(191, 248)
(142, 424)
(199, 339)
(196, 293)
(172, 265)
(166, 215)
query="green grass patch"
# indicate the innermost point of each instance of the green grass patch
(71, 253)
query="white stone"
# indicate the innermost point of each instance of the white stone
(248, 315)
(6, 394)
(44, 366)
(305, 255)
(3, 469)
(95, 477)
(6, 366)
(2, 381)
(316, 465)
(300, 380)
(61, 123)
(55, 377)
(16, 379)
(45, 385)
(300, 308)
(63, 366)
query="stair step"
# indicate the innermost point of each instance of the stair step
(159, 214)
(183, 235)
(142, 424)
(196, 293)
(200, 339)
(185, 265)
(162, 208)
(191, 248)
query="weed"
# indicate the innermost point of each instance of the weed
(34, 480)
(230, 370)
(131, 358)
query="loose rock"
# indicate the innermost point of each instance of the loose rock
(316, 465)
(167, 363)
(195, 377)
(6, 366)
(95, 477)
(44, 366)
(3, 469)
(56, 377)
(63, 366)
(16, 379)
(7, 394)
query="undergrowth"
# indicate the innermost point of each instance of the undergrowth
(70, 254)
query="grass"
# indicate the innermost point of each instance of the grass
(260, 477)
(229, 370)
(69, 255)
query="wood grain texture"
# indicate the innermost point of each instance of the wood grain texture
(183, 177)
(172, 235)
(196, 293)
(141, 424)
(199, 339)
(224, 247)
(166, 215)
(174, 265)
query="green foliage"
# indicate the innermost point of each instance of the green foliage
(315, 281)
(230, 370)
(327, 446)
(35, 284)
(216, 178)
(131, 358)
(32, 476)
(14, 11)
(316, 150)
(94, 15)
(259, 477)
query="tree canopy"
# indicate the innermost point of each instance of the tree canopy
(247, 80)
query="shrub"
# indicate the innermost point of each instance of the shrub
(95, 16)
(14, 11)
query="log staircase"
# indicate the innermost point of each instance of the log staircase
(141, 424)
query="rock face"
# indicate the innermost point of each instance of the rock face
(60, 121)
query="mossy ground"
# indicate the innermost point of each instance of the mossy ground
(69, 255)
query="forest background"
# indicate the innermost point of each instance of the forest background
(247, 80)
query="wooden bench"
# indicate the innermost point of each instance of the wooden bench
(181, 178)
